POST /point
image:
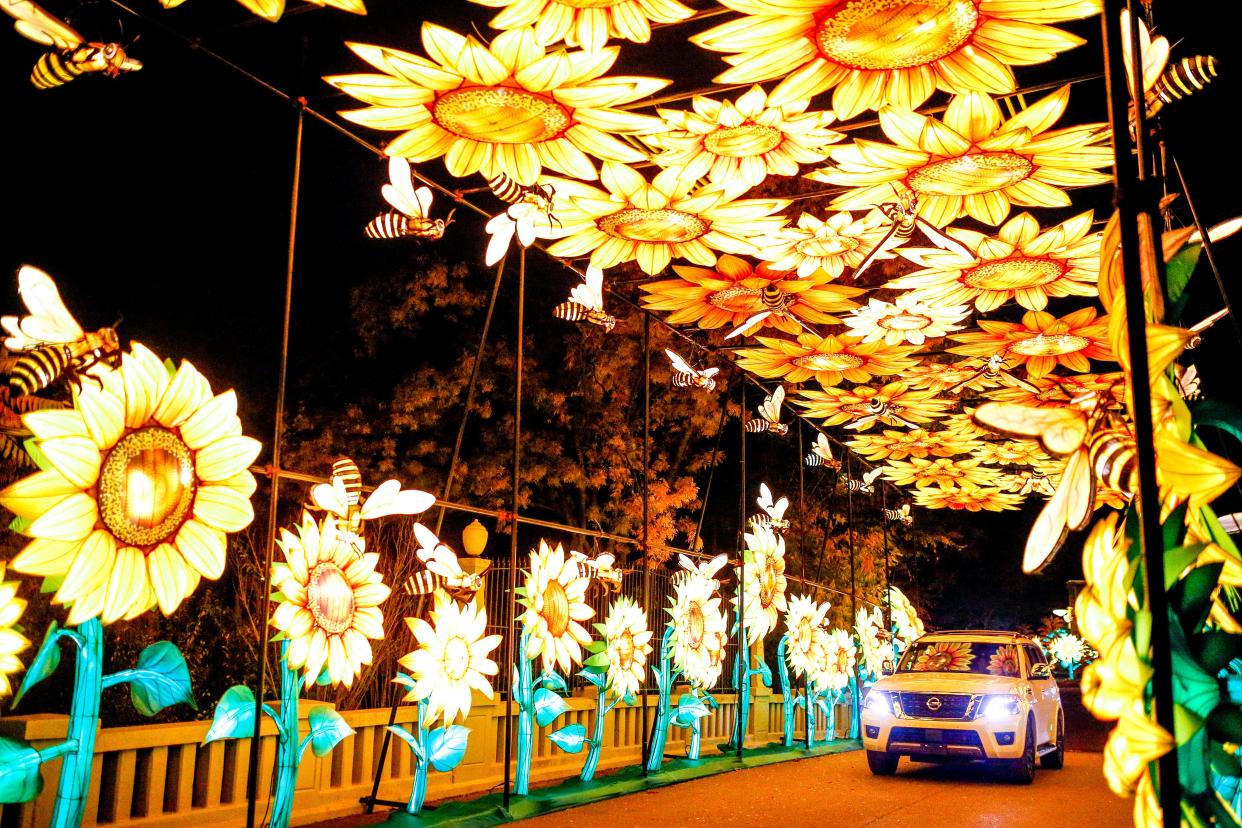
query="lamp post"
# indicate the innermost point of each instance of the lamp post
(473, 542)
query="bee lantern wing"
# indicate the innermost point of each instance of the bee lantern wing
(765, 498)
(715, 565)
(444, 562)
(605, 561)
(399, 192)
(778, 510)
(822, 447)
(427, 542)
(34, 23)
(771, 408)
(590, 293)
(48, 320)
(1059, 430)
(390, 499)
(686, 563)
(1070, 507)
(679, 364)
(870, 476)
(331, 497)
(709, 372)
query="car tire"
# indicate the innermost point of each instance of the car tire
(1056, 759)
(1022, 770)
(882, 763)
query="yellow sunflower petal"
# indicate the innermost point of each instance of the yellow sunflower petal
(213, 421)
(76, 458)
(204, 548)
(70, 519)
(46, 557)
(187, 391)
(166, 571)
(31, 496)
(90, 569)
(226, 457)
(223, 508)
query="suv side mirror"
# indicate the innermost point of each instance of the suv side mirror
(1041, 671)
(887, 668)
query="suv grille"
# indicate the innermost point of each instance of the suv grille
(951, 705)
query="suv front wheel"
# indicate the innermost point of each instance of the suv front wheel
(1056, 759)
(1022, 770)
(882, 763)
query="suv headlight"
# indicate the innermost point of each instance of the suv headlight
(880, 701)
(999, 707)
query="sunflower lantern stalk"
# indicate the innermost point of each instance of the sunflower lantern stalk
(760, 600)
(139, 481)
(554, 596)
(327, 608)
(616, 667)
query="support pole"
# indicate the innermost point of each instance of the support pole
(888, 609)
(278, 433)
(1132, 199)
(849, 513)
(510, 652)
(743, 646)
(806, 679)
(711, 472)
(646, 508)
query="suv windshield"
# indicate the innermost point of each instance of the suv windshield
(961, 657)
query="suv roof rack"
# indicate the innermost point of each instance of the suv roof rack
(1009, 633)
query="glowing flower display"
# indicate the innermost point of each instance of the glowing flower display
(765, 581)
(453, 658)
(828, 359)
(1067, 649)
(1057, 391)
(1010, 453)
(587, 23)
(804, 624)
(964, 425)
(907, 319)
(507, 108)
(652, 222)
(972, 163)
(1004, 662)
(329, 598)
(147, 472)
(742, 141)
(272, 10)
(1018, 263)
(907, 626)
(872, 640)
(826, 247)
(627, 642)
(734, 291)
(11, 641)
(941, 376)
(940, 471)
(975, 499)
(554, 597)
(898, 445)
(878, 52)
(1041, 341)
(700, 630)
(945, 657)
(892, 404)
(837, 666)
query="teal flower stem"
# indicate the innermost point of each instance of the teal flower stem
(696, 738)
(785, 691)
(597, 736)
(422, 766)
(811, 720)
(664, 678)
(75, 770)
(741, 678)
(524, 694)
(288, 752)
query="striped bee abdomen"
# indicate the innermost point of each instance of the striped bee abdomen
(37, 369)
(52, 70)
(505, 188)
(346, 470)
(571, 311)
(1113, 458)
(423, 583)
(756, 425)
(1183, 78)
(390, 225)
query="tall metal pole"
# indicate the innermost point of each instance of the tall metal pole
(646, 508)
(1132, 198)
(884, 506)
(849, 516)
(510, 649)
(278, 434)
(806, 681)
(743, 647)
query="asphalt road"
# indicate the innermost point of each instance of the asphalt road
(839, 791)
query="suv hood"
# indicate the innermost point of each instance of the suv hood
(949, 683)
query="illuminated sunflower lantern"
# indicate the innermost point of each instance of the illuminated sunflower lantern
(765, 581)
(1067, 649)
(453, 659)
(938, 471)
(735, 291)
(907, 626)
(941, 376)
(909, 318)
(146, 474)
(1019, 263)
(893, 404)
(872, 640)
(650, 223)
(587, 23)
(829, 360)
(972, 163)
(1010, 453)
(894, 52)
(12, 642)
(804, 629)
(329, 600)
(898, 445)
(1041, 341)
(742, 141)
(970, 499)
(837, 667)
(823, 248)
(700, 630)
(555, 601)
(509, 107)
(628, 643)
(1056, 391)
(272, 10)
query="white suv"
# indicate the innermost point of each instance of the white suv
(967, 694)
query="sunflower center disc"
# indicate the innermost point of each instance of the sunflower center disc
(828, 362)
(895, 34)
(556, 607)
(1050, 345)
(767, 586)
(905, 322)
(456, 658)
(1013, 274)
(696, 626)
(734, 299)
(743, 141)
(843, 661)
(623, 649)
(500, 115)
(826, 246)
(659, 226)
(330, 598)
(972, 174)
(146, 487)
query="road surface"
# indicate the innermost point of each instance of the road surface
(839, 791)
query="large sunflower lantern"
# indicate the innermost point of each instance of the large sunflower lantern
(587, 23)
(700, 630)
(765, 581)
(453, 658)
(12, 641)
(804, 624)
(142, 479)
(555, 601)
